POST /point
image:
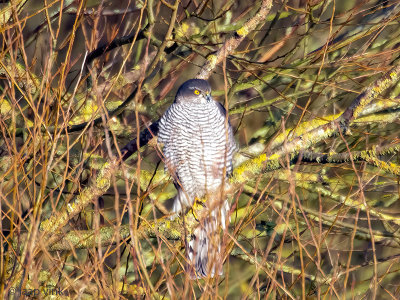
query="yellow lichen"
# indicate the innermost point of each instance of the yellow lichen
(182, 30)
(85, 113)
(259, 160)
(253, 165)
(111, 105)
(212, 59)
(303, 128)
(377, 89)
(103, 180)
(243, 31)
(274, 156)
(184, 27)
(28, 123)
(5, 107)
(103, 183)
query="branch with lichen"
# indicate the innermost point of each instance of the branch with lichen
(178, 228)
(350, 202)
(83, 239)
(368, 95)
(231, 44)
(305, 137)
(370, 156)
(175, 229)
(57, 221)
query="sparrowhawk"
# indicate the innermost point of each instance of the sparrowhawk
(198, 148)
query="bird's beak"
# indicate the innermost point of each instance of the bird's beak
(208, 97)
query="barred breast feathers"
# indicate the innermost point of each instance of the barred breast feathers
(187, 129)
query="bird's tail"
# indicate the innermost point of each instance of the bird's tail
(204, 248)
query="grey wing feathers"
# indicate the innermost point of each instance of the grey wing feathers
(232, 146)
(167, 130)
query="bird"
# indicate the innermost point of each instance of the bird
(198, 148)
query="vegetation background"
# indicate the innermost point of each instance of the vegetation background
(312, 90)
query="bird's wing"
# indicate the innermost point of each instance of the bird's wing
(232, 143)
(168, 133)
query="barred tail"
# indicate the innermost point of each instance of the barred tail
(201, 253)
(204, 248)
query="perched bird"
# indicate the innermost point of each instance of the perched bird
(198, 149)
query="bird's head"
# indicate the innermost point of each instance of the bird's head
(194, 91)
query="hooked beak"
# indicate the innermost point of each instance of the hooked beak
(208, 97)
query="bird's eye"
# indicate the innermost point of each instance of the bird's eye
(197, 92)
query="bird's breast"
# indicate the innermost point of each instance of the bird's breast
(197, 145)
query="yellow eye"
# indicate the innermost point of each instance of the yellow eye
(197, 92)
